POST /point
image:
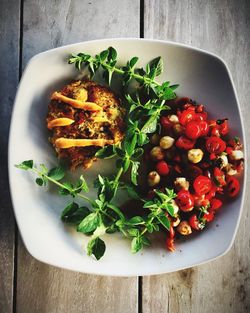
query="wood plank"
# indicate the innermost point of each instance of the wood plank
(9, 71)
(42, 288)
(221, 27)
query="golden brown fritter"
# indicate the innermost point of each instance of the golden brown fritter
(83, 117)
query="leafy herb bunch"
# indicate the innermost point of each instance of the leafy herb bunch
(102, 215)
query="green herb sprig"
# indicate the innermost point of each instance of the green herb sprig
(102, 215)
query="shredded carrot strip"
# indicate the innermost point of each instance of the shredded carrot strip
(88, 106)
(64, 143)
(63, 121)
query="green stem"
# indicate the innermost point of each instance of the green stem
(41, 174)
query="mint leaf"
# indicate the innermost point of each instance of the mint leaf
(136, 244)
(89, 223)
(164, 221)
(56, 173)
(96, 247)
(25, 165)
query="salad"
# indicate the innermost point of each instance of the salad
(192, 162)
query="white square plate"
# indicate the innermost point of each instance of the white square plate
(201, 75)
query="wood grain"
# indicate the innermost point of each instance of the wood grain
(9, 51)
(42, 288)
(221, 27)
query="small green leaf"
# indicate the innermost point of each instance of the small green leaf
(56, 173)
(164, 221)
(157, 63)
(104, 54)
(25, 165)
(106, 152)
(96, 247)
(39, 181)
(136, 220)
(82, 185)
(69, 210)
(116, 210)
(136, 244)
(89, 223)
(145, 241)
(133, 232)
(112, 54)
(150, 126)
(134, 172)
(133, 61)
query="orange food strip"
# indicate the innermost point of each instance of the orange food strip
(88, 106)
(63, 121)
(64, 143)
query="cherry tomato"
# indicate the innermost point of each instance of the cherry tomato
(233, 186)
(185, 200)
(193, 130)
(215, 131)
(211, 193)
(200, 108)
(204, 128)
(166, 123)
(162, 168)
(219, 176)
(224, 128)
(194, 222)
(215, 204)
(229, 150)
(201, 116)
(202, 185)
(187, 116)
(170, 244)
(184, 143)
(215, 145)
(208, 217)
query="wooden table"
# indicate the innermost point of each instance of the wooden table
(31, 26)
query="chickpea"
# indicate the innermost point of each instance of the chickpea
(157, 154)
(174, 119)
(195, 155)
(153, 178)
(231, 171)
(184, 228)
(154, 139)
(223, 161)
(177, 128)
(175, 221)
(181, 183)
(166, 142)
(237, 155)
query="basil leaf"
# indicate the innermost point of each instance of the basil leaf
(56, 173)
(96, 247)
(40, 181)
(157, 64)
(133, 232)
(89, 223)
(73, 214)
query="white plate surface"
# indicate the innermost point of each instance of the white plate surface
(201, 75)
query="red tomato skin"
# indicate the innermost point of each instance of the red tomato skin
(162, 168)
(185, 200)
(224, 128)
(194, 222)
(204, 128)
(193, 130)
(215, 204)
(215, 145)
(211, 194)
(187, 116)
(202, 185)
(171, 232)
(208, 217)
(170, 244)
(233, 186)
(184, 143)
(219, 176)
(166, 123)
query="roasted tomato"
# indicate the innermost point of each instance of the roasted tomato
(219, 177)
(208, 217)
(215, 204)
(202, 185)
(193, 130)
(233, 186)
(184, 143)
(187, 116)
(194, 222)
(215, 145)
(185, 200)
